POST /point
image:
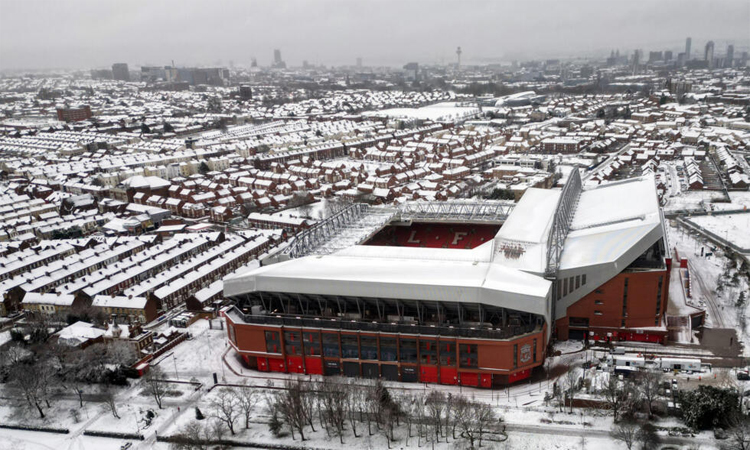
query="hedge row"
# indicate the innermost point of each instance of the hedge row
(110, 434)
(230, 443)
(33, 428)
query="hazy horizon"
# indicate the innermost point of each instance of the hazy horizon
(81, 34)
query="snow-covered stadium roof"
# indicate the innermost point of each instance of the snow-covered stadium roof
(612, 225)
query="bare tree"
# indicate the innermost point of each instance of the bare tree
(448, 422)
(468, 422)
(226, 408)
(486, 419)
(626, 432)
(41, 326)
(155, 384)
(647, 382)
(419, 413)
(386, 430)
(309, 400)
(571, 385)
(11, 355)
(739, 434)
(193, 436)
(333, 401)
(383, 408)
(460, 412)
(617, 396)
(353, 400)
(289, 404)
(320, 406)
(247, 398)
(559, 388)
(33, 379)
(108, 395)
(435, 403)
(407, 402)
(215, 430)
(72, 382)
(648, 437)
(391, 416)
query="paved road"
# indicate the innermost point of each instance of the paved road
(717, 316)
(674, 180)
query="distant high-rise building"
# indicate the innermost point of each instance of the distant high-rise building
(636, 61)
(655, 56)
(278, 63)
(359, 63)
(305, 64)
(612, 60)
(120, 72)
(253, 62)
(458, 54)
(412, 71)
(680, 59)
(688, 44)
(214, 76)
(708, 54)
(730, 55)
(668, 55)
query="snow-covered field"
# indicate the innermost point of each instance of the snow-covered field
(439, 112)
(693, 200)
(741, 199)
(734, 228)
(31, 440)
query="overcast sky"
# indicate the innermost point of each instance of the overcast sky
(38, 34)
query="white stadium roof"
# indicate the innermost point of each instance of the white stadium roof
(612, 225)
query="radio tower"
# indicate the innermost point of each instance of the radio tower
(458, 53)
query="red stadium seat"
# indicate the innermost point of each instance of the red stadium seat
(457, 236)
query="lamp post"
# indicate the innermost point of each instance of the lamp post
(174, 360)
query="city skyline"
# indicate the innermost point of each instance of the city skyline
(96, 34)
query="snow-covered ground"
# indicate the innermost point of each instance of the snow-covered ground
(442, 112)
(693, 200)
(4, 337)
(531, 424)
(31, 440)
(740, 199)
(707, 274)
(734, 228)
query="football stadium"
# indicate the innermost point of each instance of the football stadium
(457, 292)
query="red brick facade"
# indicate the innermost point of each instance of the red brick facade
(615, 309)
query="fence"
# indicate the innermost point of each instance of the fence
(169, 346)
